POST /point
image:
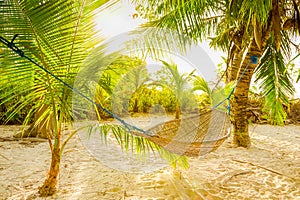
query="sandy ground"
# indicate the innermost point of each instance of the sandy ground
(270, 169)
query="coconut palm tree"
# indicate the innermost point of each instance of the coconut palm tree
(58, 35)
(122, 78)
(265, 38)
(244, 29)
(176, 82)
(137, 78)
(214, 95)
(130, 85)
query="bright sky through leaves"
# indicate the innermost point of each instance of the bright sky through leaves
(119, 19)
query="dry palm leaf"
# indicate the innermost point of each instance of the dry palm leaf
(288, 24)
(282, 9)
(297, 16)
(257, 32)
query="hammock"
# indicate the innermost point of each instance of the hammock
(191, 136)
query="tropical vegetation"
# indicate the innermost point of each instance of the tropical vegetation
(59, 36)
(266, 29)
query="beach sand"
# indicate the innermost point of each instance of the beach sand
(270, 169)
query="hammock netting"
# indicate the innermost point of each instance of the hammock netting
(191, 136)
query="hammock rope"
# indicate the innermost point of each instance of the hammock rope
(206, 131)
(254, 60)
(16, 49)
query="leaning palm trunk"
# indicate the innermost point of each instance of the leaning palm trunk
(49, 186)
(235, 55)
(240, 101)
(235, 65)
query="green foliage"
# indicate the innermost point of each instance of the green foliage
(146, 99)
(56, 34)
(169, 78)
(233, 25)
(189, 103)
(201, 85)
(211, 97)
(6, 111)
(167, 99)
(186, 13)
(117, 82)
(222, 92)
(131, 86)
(204, 102)
(59, 35)
(136, 144)
(132, 91)
(275, 84)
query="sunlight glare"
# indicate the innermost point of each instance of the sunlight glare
(117, 19)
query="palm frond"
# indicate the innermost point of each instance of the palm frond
(180, 23)
(56, 34)
(249, 9)
(276, 84)
(136, 144)
(196, 19)
(201, 85)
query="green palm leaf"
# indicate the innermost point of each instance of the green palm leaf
(276, 84)
(58, 35)
(137, 144)
(196, 19)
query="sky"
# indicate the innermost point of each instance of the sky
(118, 19)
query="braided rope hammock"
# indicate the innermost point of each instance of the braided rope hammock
(191, 136)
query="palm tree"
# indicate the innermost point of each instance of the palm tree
(138, 77)
(58, 35)
(201, 85)
(215, 95)
(130, 85)
(177, 83)
(123, 77)
(265, 38)
(244, 29)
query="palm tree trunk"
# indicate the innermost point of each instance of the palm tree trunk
(240, 100)
(177, 111)
(235, 55)
(235, 66)
(136, 103)
(49, 186)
